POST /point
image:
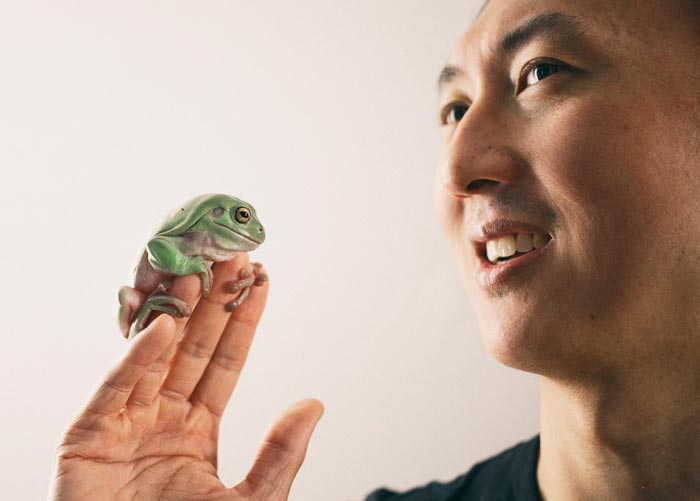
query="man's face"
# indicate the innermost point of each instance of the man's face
(581, 130)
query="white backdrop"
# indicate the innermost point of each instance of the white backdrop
(324, 116)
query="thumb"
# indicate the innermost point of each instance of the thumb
(283, 451)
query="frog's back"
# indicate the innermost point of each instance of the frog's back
(185, 216)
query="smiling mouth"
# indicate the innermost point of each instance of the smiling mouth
(502, 249)
(494, 272)
(237, 233)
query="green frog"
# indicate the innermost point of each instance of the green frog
(207, 229)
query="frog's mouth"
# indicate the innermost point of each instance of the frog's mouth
(239, 234)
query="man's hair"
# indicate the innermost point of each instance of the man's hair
(689, 8)
(691, 11)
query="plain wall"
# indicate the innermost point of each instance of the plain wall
(324, 116)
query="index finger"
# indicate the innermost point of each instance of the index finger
(117, 387)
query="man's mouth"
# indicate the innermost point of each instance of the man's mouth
(505, 248)
(501, 249)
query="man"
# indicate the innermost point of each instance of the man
(569, 189)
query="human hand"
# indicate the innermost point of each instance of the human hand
(151, 429)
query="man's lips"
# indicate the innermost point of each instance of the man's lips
(490, 274)
(497, 228)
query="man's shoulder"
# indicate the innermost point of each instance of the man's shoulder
(507, 476)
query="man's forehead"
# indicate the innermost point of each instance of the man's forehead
(509, 26)
(608, 19)
(496, 18)
(598, 33)
(607, 23)
(515, 9)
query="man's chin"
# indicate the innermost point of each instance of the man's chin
(522, 346)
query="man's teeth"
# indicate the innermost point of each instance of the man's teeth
(541, 239)
(508, 245)
(524, 242)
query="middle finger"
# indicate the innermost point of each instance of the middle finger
(202, 333)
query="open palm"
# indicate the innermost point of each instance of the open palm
(151, 429)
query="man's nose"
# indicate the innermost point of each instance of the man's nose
(479, 157)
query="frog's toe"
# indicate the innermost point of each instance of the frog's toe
(247, 278)
(203, 268)
(253, 274)
(179, 310)
(260, 274)
(207, 280)
(238, 301)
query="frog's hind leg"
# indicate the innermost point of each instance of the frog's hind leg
(159, 302)
(130, 301)
(248, 278)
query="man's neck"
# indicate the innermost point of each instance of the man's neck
(628, 438)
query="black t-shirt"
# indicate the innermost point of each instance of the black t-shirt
(508, 476)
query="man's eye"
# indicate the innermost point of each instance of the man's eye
(452, 113)
(536, 71)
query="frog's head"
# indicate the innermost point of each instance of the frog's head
(231, 222)
(233, 225)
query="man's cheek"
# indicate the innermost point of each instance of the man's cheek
(589, 153)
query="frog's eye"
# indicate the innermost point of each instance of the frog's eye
(218, 212)
(242, 215)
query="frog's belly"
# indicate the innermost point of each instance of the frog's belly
(218, 255)
(204, 245)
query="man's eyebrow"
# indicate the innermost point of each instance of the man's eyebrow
(448, 74)
(552, 25)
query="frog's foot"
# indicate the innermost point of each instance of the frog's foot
(254, 275)
(130, 301)
(167, 304)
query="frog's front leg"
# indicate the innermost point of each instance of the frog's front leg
(248, 278)
(167, 258)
